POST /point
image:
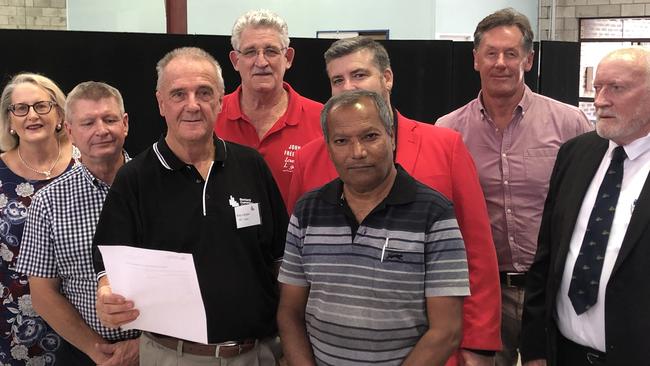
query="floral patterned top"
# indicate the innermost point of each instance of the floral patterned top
(25, 338)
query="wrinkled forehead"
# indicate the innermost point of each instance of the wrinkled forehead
(185, 71)
(502, 36)
(358, 60)
(622, 68)
(362, 108)
(28, 88)
(81, 106)
(260, 36)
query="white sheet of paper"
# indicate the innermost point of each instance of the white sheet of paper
(163, 286)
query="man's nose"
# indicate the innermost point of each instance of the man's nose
(501, 59)
(349, 85)
(260, 59)
(600, 99)
(358, 150)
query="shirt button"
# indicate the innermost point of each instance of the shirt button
(508, 210)
(505, 182)
(512, 238)
(504, 155)
(198, 180)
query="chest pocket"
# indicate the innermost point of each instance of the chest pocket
(400, 270)
(538, 165)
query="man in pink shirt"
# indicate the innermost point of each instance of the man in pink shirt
(265, 113)
(513, 135)
(434, 156)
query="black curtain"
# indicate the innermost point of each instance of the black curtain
(432, 78)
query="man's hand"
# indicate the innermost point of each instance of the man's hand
(125, 353)
(114, 310)
(469, 358)
(540, 362)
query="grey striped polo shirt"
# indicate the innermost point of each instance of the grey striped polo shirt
(367, 297)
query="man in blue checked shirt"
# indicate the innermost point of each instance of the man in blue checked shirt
(57, 245)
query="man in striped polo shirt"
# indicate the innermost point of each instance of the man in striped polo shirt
(374, 268)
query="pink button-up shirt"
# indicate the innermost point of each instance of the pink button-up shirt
(514, 166)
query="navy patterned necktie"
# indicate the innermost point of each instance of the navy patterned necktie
(583, 290)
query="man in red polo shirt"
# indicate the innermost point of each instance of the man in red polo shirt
(436, 157)
(264, 112)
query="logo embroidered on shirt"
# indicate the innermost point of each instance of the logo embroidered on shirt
(394, 256)
(234, 202)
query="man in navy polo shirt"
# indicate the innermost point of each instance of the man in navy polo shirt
(181, 195)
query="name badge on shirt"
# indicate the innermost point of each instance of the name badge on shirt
(247, 215)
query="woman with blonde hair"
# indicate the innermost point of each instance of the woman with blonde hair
(36, 149)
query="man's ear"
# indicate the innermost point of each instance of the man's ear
(125, 120)
(290, 54)
(68, 130)
(529, 61)
(233, 59)
(161, 107)
(388, 79)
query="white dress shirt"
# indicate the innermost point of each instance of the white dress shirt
(588, 329)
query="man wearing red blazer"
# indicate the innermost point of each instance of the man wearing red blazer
(436, 157)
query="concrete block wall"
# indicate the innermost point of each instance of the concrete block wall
(33, 14)
(567, 13)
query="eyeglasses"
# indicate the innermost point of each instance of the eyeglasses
(22, 109)
(268, 52)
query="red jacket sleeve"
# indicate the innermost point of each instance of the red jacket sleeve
(481, 310)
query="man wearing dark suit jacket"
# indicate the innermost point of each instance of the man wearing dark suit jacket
(586, 303)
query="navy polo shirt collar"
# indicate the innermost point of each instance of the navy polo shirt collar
(402, 191)
(169, 160)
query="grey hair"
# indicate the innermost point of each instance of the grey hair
(351, 97)
(9, 141)
(193, 53)
(92, 90)
(346, 46)
(506, 17)
(261, 18)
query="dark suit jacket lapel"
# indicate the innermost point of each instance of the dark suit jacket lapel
(638, 223)
(579, 174)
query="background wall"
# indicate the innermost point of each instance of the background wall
(452, 17)
(568, 11)
(33, 14)
(421, 19)
(146, 16)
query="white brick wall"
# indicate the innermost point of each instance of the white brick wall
(33, 14)
(567, 13)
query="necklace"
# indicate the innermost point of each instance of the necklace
(46, 173)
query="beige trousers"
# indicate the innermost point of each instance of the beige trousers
(154, 354)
